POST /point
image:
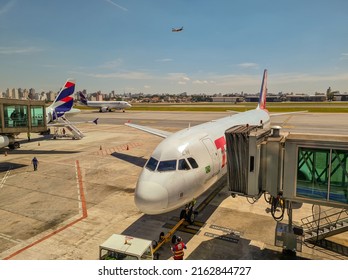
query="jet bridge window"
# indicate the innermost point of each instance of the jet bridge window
(37, 115)
(322, 174)
(167, 165)
(152, 164)
(16, 116)
(183, 165)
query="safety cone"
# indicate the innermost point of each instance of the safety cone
(100, 148)
(38, 143)
(127, 147)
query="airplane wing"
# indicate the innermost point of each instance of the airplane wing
(287, 113)
(158, 132)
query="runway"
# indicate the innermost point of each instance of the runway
(83, 192)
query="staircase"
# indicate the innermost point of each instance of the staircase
(324, 224)
(77, 134)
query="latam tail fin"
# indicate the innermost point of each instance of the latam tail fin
(64, 100)
(83, 98)
(263, 92)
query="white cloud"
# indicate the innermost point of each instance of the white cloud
(7, 7)
(11, 51)
(200, 82)
(249, 65)
(164, 60)
(123, 75)
(112, 64)
(116, 5)
(344, 56)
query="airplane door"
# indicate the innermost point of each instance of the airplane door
(215, 166)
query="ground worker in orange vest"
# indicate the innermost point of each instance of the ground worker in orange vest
(178, 249)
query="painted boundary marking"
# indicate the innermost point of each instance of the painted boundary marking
(3, 181)
(120, 148)
(82, 201)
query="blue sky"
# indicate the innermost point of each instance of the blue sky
(127, 45)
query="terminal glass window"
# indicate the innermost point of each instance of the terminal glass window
(37, 116)
(322, 174)
(15, 116)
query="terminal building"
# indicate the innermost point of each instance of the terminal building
(20, 116)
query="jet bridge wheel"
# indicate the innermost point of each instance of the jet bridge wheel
(14, 145)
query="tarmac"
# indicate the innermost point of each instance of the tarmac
(83, 192)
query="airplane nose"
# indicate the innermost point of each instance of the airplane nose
(150, 198)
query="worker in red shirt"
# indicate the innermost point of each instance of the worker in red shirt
(178, 249)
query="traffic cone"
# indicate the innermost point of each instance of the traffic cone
(38, 143)
(100, 148)
(127, 147)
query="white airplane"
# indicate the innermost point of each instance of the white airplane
(104, 106)
(177, 29)
(187, 163)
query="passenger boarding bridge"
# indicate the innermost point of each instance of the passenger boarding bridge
(290, 168)
(20, 116)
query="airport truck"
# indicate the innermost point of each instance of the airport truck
(123, 247)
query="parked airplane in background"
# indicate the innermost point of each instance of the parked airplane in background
(177, 29)
(187, 163)
(62, 104)
(104, 106)
(55, 115)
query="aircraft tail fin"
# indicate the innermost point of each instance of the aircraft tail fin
(83, 98)
(64, 100)
(263, 92)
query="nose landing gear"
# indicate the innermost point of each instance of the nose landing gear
(188, 212)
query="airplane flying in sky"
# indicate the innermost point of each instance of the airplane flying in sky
(187, 163)
(104, 106)
(177, 29)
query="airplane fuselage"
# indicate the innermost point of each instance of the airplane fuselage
(188, 162)
(108, 105)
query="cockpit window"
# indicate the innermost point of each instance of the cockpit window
(193, 162)
(152, 164)
(167, 165)
(183, 165)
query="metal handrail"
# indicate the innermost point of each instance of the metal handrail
(308, 222)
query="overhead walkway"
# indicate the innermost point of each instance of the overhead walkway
(20, 116)
(304, 168)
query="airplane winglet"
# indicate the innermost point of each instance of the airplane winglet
(96, 121)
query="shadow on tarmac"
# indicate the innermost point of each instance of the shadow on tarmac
(5, 166)
(229, 247)
(138, 161)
